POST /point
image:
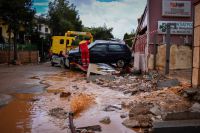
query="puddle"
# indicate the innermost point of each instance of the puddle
(31, 89)
(94, 115)
(62, 76)
(24, 115)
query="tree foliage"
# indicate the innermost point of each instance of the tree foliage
(16, 13)
(100, 33)
(63, 16)
(129, 37)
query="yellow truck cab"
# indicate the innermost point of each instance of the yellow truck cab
(61, 43)
(68, 41)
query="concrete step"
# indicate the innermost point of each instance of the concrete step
(177, 126)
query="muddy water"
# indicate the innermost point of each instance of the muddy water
(94, 115)
(22, 115)
(29, 112)
(16, 116)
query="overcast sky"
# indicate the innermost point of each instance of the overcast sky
(120, 14)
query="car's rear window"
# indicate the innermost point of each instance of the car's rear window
(115, 48)
(99, 47)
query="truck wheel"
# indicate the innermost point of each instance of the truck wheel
(67, 63)
(120, 63)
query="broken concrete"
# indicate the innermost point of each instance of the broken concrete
(139, 109)
(58, 113)
(112, 108)
(5, 99)
(89, 128)
(130, 123)
(105, 120)
(195, 107)
(168, 83)
(100, 68)
(123, 115)
(192, 94)
(155, 110)
(65, 94)
(97, 78)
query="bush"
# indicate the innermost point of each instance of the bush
(29, 47)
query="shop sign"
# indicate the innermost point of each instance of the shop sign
(176, 8)
(177, 27)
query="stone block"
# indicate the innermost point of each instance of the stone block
(197, 16)
(168, 83)
(196, 57)
(195, 77)
(180, 126)
(197, 36)
(187, 115)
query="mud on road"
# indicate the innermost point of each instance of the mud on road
(60, 91)
(40, 98)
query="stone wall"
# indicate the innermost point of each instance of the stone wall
(180, 57)
(23, 56)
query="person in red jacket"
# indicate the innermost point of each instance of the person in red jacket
(85, 57)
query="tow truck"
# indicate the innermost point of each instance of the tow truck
(66, 43)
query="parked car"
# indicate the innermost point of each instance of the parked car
(56, 60)
(103, 51)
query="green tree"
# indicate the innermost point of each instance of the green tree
(100, 33)
(128, 38)
(63, 16)
(16, 13)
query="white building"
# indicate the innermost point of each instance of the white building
(42, 27)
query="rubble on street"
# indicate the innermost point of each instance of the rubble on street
(116, 102)
(152, 97)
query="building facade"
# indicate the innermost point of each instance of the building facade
(4, 31)
(150, 45)
(42, 27)
(196, 45)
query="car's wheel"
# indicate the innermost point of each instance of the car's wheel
(52, 64)
(67, 63)
(62, 64)
(120, 63)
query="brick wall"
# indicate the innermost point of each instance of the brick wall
(23, 56)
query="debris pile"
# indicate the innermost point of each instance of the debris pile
(105, 120)
(59, 113)
(127, 84)
(192, 94)
(145, 108)
(130, 84)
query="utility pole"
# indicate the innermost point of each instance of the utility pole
(155, 50)
(168, 41)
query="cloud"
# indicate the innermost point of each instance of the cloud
(121, 15)
(107, 0)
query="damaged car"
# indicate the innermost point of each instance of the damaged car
(103, 51)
